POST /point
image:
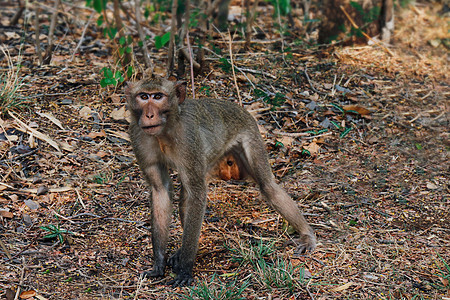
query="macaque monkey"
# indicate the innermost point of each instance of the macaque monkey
(192, 136)
(228, 169)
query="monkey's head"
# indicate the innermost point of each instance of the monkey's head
(153, 102)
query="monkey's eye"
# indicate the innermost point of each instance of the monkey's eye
(158, 96)
(144, 96)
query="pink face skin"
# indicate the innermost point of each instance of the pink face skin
(155, 107)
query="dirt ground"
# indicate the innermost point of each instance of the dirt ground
(360, 141)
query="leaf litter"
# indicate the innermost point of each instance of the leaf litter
(358, 138)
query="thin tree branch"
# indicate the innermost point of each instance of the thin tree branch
(82, 36)
(173, 30)
(147, 60)
(51, 31)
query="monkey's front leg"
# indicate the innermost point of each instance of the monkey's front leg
(193, 210)
(158, 178)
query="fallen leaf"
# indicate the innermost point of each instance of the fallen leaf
(94, 135)
(119, 134)
(31, 204)
(313, 148)
(432, 186)
(115, 99)
(27, 294)
(43, 189)
(356, 108)
(121, 114)
(342, 287)
(66, 146)
(11, 35)
(6, 214)
(101, 154)
(286, 140)
(52, 190)
(52, 118)
(85, 112)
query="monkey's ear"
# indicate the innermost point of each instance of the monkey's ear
(180, 91)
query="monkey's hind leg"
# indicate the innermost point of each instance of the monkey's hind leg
(257, 165)
(192, 210)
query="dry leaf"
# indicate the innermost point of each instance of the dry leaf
(286, 140)
(27, 294)
(66, 146)
(359, 109)
(115, 99)
(121, 114)
(101, 154)
(94, 135)
(313, 148)
(314, 97)
(6, 214)
(11, 35)
(52, 118)
(52, 190)
(342, 287)
(119, 134)
(432, 186)
(85, 112)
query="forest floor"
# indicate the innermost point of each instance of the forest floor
(360, 139)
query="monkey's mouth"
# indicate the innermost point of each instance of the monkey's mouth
(152, 129)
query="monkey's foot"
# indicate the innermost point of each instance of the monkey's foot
(158, 271)
(174, 262)
(181, 280)
(183, 271)
(306, 242)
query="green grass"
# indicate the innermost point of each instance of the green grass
(10, 84)
(280, 274)
(217, 289)
(251, 252)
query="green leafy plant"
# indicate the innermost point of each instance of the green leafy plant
(282, 7)
(102, 178)
(110, 77)
(274, 99)
(225, 65)
(55, 232)
(206, 90)
(161, 41)
(216, 289)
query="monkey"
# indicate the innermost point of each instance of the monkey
(228, 169)
(167, 130)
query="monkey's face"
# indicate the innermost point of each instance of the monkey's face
(153, 109)
(153, 102)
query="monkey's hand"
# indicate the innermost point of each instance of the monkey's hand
(306, 242)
